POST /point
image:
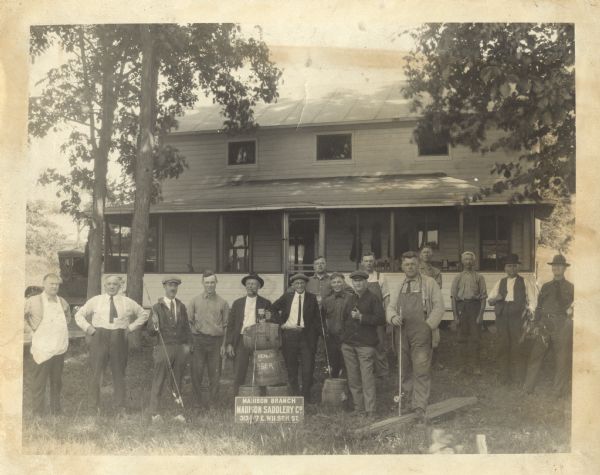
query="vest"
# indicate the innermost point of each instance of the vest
(519, 295)
(177, 333)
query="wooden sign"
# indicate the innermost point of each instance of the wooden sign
(269, 409)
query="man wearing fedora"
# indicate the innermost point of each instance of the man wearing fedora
(244, 313)
(511, 297)
(299, 317)
(553, 315)
(169, 324)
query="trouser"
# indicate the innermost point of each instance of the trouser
(560, 333)
(416, 361)
(240, 365)
(334, 351)
(206, 355)
(50, 369)
(176, 362)
(469, 331)
(511, 357)
(360, 366)
(298, 354)
(382, 366)
(108, 347)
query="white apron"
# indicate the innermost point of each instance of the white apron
(51, 337)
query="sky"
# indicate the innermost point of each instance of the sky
(315, 60)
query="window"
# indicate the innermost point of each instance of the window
(118, 244)
(429, 234)
(241, 152)
(494, 238)
(432, 144)
(334, 147)
(236, 234)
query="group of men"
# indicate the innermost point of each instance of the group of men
(363, 325)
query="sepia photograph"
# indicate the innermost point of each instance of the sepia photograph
(258, 238)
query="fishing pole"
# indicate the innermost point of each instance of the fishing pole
(324, 339)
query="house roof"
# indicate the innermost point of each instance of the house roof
(380, 102)
(367, 191)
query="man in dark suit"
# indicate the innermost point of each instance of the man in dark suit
(298, 315)
(245, 311)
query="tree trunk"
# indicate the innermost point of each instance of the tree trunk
(144, 166)
(96, 234)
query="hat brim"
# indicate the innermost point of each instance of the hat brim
(305, 279)
(254, 277)
(178, 282)
(566, 264)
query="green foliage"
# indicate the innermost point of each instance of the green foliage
(210, 58)
(557, 230)
(469, 79)
(43, 237)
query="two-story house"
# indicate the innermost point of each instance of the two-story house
(336, 177)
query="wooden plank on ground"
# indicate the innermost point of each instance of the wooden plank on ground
(433, 411)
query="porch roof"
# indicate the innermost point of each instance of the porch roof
(373, 191)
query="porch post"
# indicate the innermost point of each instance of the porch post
(357, 239)
(532, 240)
(461, 232)
(393, 239)
(161, 243)
(284, 246)
(190, 265)
(220, 234)
(322, 233)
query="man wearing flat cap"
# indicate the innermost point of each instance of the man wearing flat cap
(244, 313)
(554, 317)
(418, 308)
(469, 294)
(361, 317)
(298, 315)
(169, 324)
(512, 297)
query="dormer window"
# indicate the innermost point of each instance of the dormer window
(241, 152)
(334, 147)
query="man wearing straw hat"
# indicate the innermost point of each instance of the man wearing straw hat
(553, 314)
(169, 322)
(244, 313)
(512, 297)
(469, 294)
(299, 317)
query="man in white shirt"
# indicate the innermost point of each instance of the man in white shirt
(106, 332)
(245, 311)
(47, 316)
(511, 297)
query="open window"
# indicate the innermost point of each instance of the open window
(334, 147)
(236, 246)
(494, 235)
(241, 152)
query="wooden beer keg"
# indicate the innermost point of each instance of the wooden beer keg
(250, 391)
(335, 392)
(269, 368)
(262, 336)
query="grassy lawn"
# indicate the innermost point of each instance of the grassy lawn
(511, 421)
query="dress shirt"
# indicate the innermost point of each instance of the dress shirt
(167, 301)
(530, 292)
(249, 313)
(385, 290)
(51, 337)
(292, 321)
(555, 297)
(427, 269)
(335, 307)
(468, 285)
(319, 285)
(98, 308)
(208, 314)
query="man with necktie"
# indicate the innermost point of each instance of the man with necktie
(419, 308)
(47, 316)
(170, 326)
(244, 313)
(106, 332)
(299, 317)
(554, 317)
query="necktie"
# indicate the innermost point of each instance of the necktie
(172, 308)
(408, 286)
(299, 309)
(113, 310)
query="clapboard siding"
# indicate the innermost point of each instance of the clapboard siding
(291, 153)
(266, 239)
(176, 243)
(204, 242)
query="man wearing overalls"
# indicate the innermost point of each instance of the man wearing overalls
(378, 286)
(419, 309)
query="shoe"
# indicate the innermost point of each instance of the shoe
(179, 418)
(421, 417)
(157, 418)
